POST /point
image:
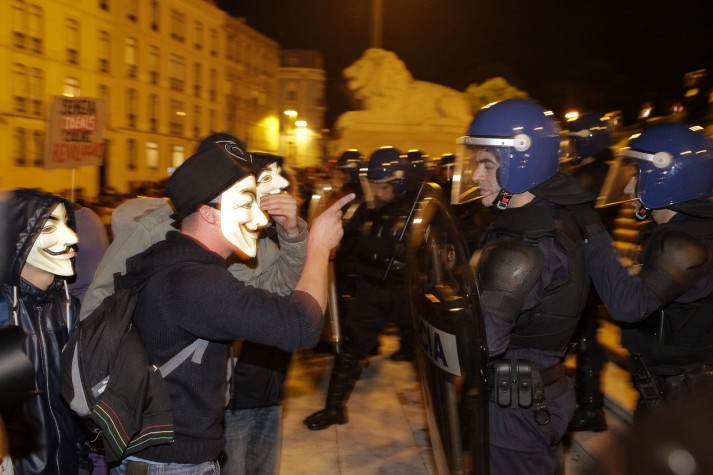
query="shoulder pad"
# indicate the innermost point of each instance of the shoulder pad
(507, 272)
(509, 264)
(672, 262)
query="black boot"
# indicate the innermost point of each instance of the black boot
(345, 374)
(589, 415)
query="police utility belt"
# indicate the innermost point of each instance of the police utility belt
(514, 383)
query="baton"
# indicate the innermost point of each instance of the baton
(403, 232)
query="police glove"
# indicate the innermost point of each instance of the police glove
(588, 220)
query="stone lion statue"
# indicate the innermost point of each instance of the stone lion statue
(380, 81)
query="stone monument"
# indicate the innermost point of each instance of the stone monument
(398, 110)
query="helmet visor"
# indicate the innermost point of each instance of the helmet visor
(465, 186)
(621, 170)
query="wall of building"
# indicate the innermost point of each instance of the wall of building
(172, 71)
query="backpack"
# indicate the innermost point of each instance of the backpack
(108, 380)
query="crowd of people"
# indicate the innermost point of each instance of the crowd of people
(232, 256)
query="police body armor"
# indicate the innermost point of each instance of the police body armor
(375, 241)
(550, 325)
(680, 336)
(451, 347)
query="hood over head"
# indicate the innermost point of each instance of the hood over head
(28, 211)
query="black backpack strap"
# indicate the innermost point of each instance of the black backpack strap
(118, 284)
(197, 348)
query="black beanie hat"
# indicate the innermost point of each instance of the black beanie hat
(207, 174)
(218, 137)
(263, 159)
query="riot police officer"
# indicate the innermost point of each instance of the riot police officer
(444, 172)
(374, 252)
(667, 306)
(349, 164)
(419, 167)
(531, 277)
(589, 157)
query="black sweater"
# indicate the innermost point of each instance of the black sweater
(189, 294)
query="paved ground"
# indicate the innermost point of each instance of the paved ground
(387, 434)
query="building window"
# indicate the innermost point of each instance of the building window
(104, 51)
(152, 156)
(213, 84)
(37, 88)
(20, 86)
(178, 117)
(196, 121)
(177, 72)
(39, 139)
(198, 32)
(153, 112)
(19, 24)
(131, 154)
(177, 155)
(213, 42)
(132, 11)
(71, 87)
(197, 79)
(20, 147)
(155, 15)
(36, 29)
(178, 26)
(131, 101)
(103, 92)
(154, 64)
(73, 41)
(130, 51)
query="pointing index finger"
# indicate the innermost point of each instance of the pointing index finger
(337, 205)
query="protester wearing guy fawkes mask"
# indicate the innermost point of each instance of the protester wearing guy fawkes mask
(35, 297)
(139, 223)
(254, 413)
(189, 294)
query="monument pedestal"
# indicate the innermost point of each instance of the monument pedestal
(433, 139)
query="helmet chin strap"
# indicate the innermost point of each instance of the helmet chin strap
(642, 213)
(502, 200)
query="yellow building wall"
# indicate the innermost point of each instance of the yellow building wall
(249, 75)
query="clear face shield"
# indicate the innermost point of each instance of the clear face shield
(469, 182)
(621, 170)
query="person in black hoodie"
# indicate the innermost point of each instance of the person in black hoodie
(253, 417)
(189, 294)
(35, 297)
(666, 308)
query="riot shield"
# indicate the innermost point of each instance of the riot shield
(452, 351)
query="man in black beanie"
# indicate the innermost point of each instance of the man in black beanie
(189, 294)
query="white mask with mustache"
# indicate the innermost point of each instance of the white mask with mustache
(240, 216)
(54, 248)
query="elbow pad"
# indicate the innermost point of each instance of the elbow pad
(507, 271)
(672, 263)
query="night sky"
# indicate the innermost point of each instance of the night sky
(590, 55)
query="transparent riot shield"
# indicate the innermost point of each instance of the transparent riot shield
(452, 352)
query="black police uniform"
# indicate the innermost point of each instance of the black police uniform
(533, 283)
(667, 307)
(370, 242)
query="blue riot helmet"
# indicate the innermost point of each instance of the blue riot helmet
(524, 138)
(417, 160)
(387, 165)
(675, 164)
(588, 136)
(349, 162)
